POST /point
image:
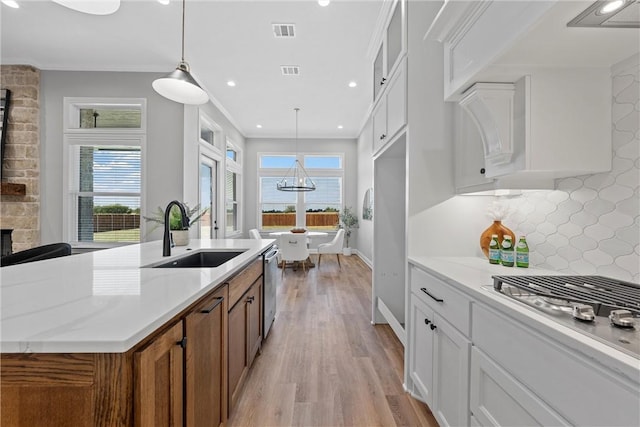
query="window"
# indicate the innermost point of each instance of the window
(104, 146)
(231, 190)
(233, 174)
(314, 210)
(106, 193)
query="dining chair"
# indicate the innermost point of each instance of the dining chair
(293, 247)
(254, 234)
(333, 247)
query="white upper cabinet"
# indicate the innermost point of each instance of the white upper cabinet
(475, 33)
(391, 46)
(538, 91)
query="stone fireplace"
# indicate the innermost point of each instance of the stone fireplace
(21, 212)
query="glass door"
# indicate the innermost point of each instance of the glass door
(209, 221)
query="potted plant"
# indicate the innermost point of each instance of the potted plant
(348, 221)
(179, 235)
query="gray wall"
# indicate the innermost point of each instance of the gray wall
(365, 181)
(253, 146)
(164, 142)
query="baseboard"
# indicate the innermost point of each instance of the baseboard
(364, 258)
(392, 321)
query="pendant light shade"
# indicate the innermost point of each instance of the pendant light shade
(296, 178)
(180, 86)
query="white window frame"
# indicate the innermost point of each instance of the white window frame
(280, 172)
(235, 167)
(97, 137)
(212, 155)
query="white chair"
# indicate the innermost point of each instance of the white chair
(333, 247)
(254, 234)
(293, 247)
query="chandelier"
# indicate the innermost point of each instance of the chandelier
(296, 178)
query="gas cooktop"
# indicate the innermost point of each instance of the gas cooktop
(603, 308)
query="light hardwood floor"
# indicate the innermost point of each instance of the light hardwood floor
(323, 363)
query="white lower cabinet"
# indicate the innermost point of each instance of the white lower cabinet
(439, 365)
(497, 399)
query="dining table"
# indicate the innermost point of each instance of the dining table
(310, 236)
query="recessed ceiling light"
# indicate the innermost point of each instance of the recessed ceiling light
(231, 83)
(11, 3)
(340, 126)
(164, 2)
(612, 6)
(353, 84)
(324, 3)
(259, 126)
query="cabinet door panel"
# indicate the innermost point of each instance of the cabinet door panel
(205, 368)
(159, 381)
(238, 361)
(380, 125)
(396, 103)
(451, 376)
(497, 399)
(378, 73)
(394, 37)
(421, 356)
(254, 321)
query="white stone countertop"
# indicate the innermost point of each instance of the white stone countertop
(473, 276)
(103, 301)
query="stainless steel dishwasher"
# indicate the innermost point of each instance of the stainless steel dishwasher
(270, 284)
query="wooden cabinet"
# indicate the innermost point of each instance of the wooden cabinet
(206, 362)
(159, 380)
(439, 347)
(392, 46)
(245, 325)
(390, 115)
(180, 376)
(245, 337)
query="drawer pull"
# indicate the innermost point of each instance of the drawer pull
(434, 298)
(427, 321)
(433, 327)
(182, 343)
(250, 299)
(215, 304)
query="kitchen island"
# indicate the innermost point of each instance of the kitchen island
(102, 338)
(479, 357)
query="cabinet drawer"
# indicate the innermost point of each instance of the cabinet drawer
(581, 391)
(239, 284)
(450, 304)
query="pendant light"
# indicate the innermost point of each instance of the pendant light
(296, 178)
(180, 86)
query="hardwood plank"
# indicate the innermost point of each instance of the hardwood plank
(324, 364)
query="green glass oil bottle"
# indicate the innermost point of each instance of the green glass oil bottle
(522, 253)
(506, 251)
(494, 250)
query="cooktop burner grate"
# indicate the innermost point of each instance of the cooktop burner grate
(595, 290)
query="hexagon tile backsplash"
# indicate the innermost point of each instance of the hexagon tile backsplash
(591, 224)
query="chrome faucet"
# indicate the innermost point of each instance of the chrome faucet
(167, 242)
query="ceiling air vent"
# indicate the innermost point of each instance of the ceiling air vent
(290, 70)
(284, 30)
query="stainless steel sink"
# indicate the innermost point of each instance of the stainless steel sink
(201, 259)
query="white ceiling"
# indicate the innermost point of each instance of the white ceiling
(550, 43)
(225, 40)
